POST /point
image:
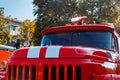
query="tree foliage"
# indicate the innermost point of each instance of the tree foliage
(51, 13)
(26, 30)
(99, 10)
(4, 31)
(57, 12)
(117, 21)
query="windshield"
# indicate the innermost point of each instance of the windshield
(98, 39)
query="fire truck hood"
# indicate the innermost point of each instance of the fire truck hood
(63, 52)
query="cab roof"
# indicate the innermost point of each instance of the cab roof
(104, 27)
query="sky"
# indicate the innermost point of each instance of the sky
(20, 9)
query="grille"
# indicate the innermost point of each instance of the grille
(21, 72)
(62, 73)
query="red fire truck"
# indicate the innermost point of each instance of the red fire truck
(71, 52)
(5, 53)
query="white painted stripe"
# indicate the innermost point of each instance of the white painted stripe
(53, 52)
(33, 52)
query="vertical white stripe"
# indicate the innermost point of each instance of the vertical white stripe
(33, 52)
(53, 52)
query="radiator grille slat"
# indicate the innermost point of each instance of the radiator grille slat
(14, 72)
(61, 72)
(64, 72)
(46, 73)
(70, 73)
(78, 73)
(26, 73)
(33, 77)
(53, 73)
(21, 72)
(9, 72)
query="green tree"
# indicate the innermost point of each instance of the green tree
(4, 31)
(51, 13)
(26, 30)
(100, 10)
(117, 21)
(57, 12)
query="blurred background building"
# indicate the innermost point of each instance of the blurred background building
(14, 26)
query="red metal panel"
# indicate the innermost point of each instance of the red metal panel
(49, 73)
(17, 72)
(43, 52)
(74, 72)
(78, 27)
(20, 53)
(57, 73)
(12, 72)
(23, 73)
(65, 73)
(30, 69)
